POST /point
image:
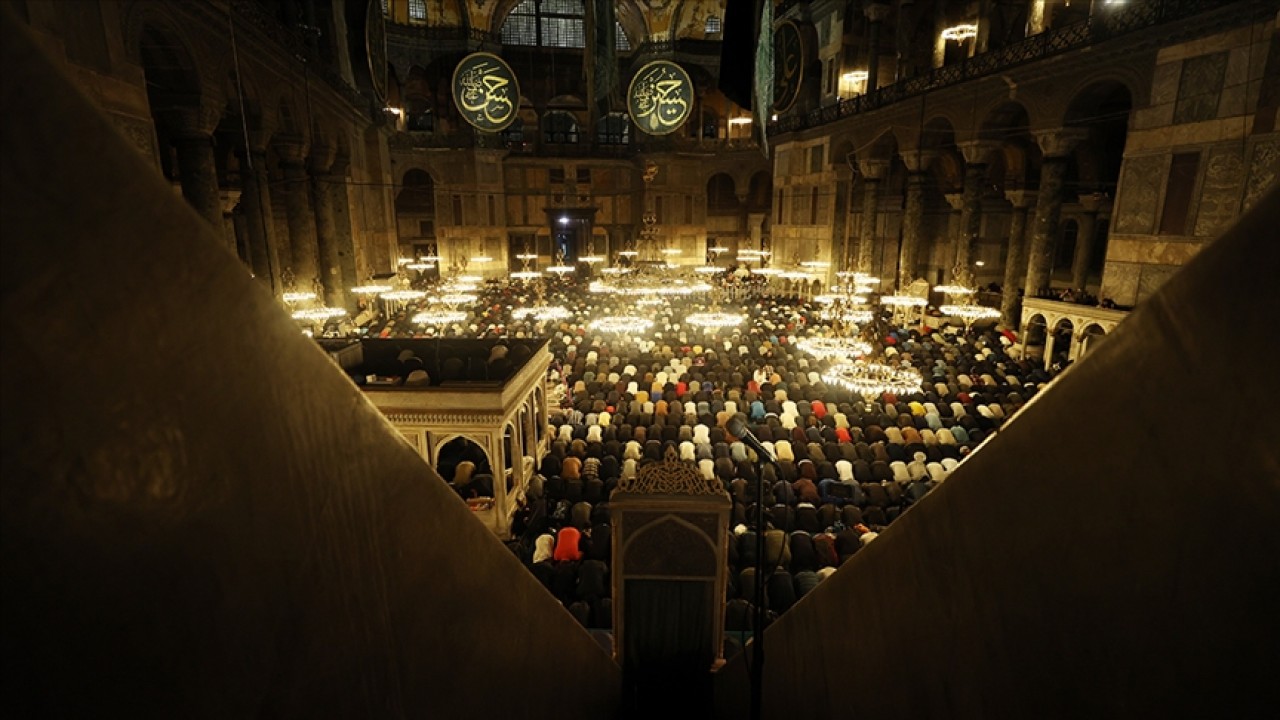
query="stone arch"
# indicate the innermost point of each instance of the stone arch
(417, 191)
(760, 191)
(1104, 107)
(842, 152)
(439, 446)
(721, 193)
(678, 533)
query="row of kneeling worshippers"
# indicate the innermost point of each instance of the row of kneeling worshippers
(847, 465)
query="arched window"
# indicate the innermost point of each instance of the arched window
(546, 23)
(614, 129)
(713, 25)
(513, 135)
(560, 128)
(386, 8)
(622, 42)
(417, 11)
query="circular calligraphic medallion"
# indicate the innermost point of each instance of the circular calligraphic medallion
(486, 92)
(788, 66)
(660, 97)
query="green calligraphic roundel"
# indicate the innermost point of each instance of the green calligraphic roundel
(788, 65)
(660, 97)
(486, 92)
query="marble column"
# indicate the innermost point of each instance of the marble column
(255, 204)
(876, 14)
(912, 225)
(840, 231)
(1055, 146)
(329, 265)
(197, 166)
(1015, 259)
(1084, 239)
(976, 156)
(228, 201)
(296, 189)
(340, 211)
(873, 174)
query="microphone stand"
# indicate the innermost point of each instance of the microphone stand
(757, 637)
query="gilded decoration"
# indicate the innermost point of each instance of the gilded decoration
(670, 477)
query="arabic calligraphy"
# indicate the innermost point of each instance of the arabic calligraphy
(788, 73)
(660, 97)
(486, 91)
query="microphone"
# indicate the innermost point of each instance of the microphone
(737, 426)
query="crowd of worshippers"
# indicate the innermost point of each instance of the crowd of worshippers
(847, 465)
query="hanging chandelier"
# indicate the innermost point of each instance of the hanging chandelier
(319, 314)
(439, 317)
(371, 289)
(903, 301)
(402, 295)
(454, 298)
(298, 296)
(870, 379)
(953, 289)
(712, 320)
(525, 275)
(970, 313)
(831, 348)
(621, 324)
(541, 312)
(560, 269)
(848, 317)
(960, 33)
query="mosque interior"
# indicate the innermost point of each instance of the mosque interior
(532, 358)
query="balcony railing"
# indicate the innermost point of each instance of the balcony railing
(1104, 26)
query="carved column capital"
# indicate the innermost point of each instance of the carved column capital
(1059, 142)
(1021, 198)
(978, 152)
(291, 148)
(1095, 202)
(878, 12)
(955, 200)
(873, 169)
(918, 160)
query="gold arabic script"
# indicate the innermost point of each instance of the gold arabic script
(485, 93)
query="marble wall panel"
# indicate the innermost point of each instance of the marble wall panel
(1263, 168)
(1140, 185)
(1220, 190)
(1120, 282)
(1200, 88)
(1152, 277)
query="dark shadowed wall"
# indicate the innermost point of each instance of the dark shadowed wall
(199, 515)
(1113, 552)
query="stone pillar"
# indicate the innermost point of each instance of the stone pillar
(982, 41)
(301, 216)
(255, 204)
(1048, 348)
(976, 155)
(228, 201)
(917, 162)
(240, 226)
(1037, 18)
(873, 174)
(1084, 239)
(840, 225)
(340, 211)
(876, 14)
(1015, 259)
(1055, 145)
(912, 221)
(197, 167)
(328, 265)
